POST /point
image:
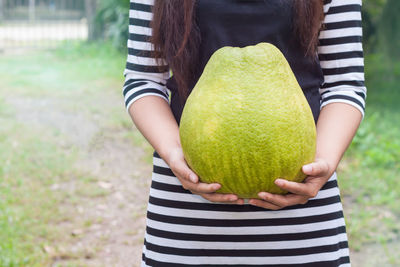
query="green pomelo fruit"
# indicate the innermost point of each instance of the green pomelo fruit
(247, 122)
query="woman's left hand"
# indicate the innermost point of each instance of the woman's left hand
(318, 173)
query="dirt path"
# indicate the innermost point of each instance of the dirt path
(104, 198)
(113, 222)
(103, 222)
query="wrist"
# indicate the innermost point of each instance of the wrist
(169, 151)
(331, 164)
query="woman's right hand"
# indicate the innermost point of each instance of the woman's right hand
(190, 181)
(152, 115)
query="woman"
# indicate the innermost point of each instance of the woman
(187, 225)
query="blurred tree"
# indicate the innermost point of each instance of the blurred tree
(1, 10)
(371, 15)
(112, 20)
(90, 9)
(390, 29)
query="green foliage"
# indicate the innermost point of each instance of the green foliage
(381, 28)
(376, 144)
(369, 178)
(371, 16)
(26, 203)
(390, 29)
(35, 153)
(112, 20)
(382, 78)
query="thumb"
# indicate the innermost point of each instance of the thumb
(317, 168)
(185, 172)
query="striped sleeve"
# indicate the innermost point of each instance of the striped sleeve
(341, 54)
(143, 76)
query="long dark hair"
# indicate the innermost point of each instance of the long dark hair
(176, 37)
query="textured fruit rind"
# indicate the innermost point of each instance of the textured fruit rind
(247, 122)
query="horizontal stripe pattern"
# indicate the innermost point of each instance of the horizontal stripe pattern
(184, 229)
(226, 212)
(229, 222)
(341, 54)
(140, 64)
(166, 191)
(238, 238)
(274, 251)
(342, 262)
(269, 247)
(249, 230)
(324, 259)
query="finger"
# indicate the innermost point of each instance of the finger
(318, 168)
(283, 200)
(200, 188)
(240, 201)
(215, 197)
(181, 169)
(264, 204)
(310, 188)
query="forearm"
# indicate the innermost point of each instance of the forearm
(153, 117)
(336, 127)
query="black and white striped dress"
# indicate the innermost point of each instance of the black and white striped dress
(184, 229)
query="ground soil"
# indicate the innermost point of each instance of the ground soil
(107, 213)
(104, 228)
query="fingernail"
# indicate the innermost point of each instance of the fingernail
(263, 195)
(217, 186)
(233, 198)
(251, 202)
(307, 168)
(193, 178)
(279, 182)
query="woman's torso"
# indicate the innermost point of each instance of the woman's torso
(241, 23)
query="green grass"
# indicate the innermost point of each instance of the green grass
(31, 163)
(371, 171)
(34, 156)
